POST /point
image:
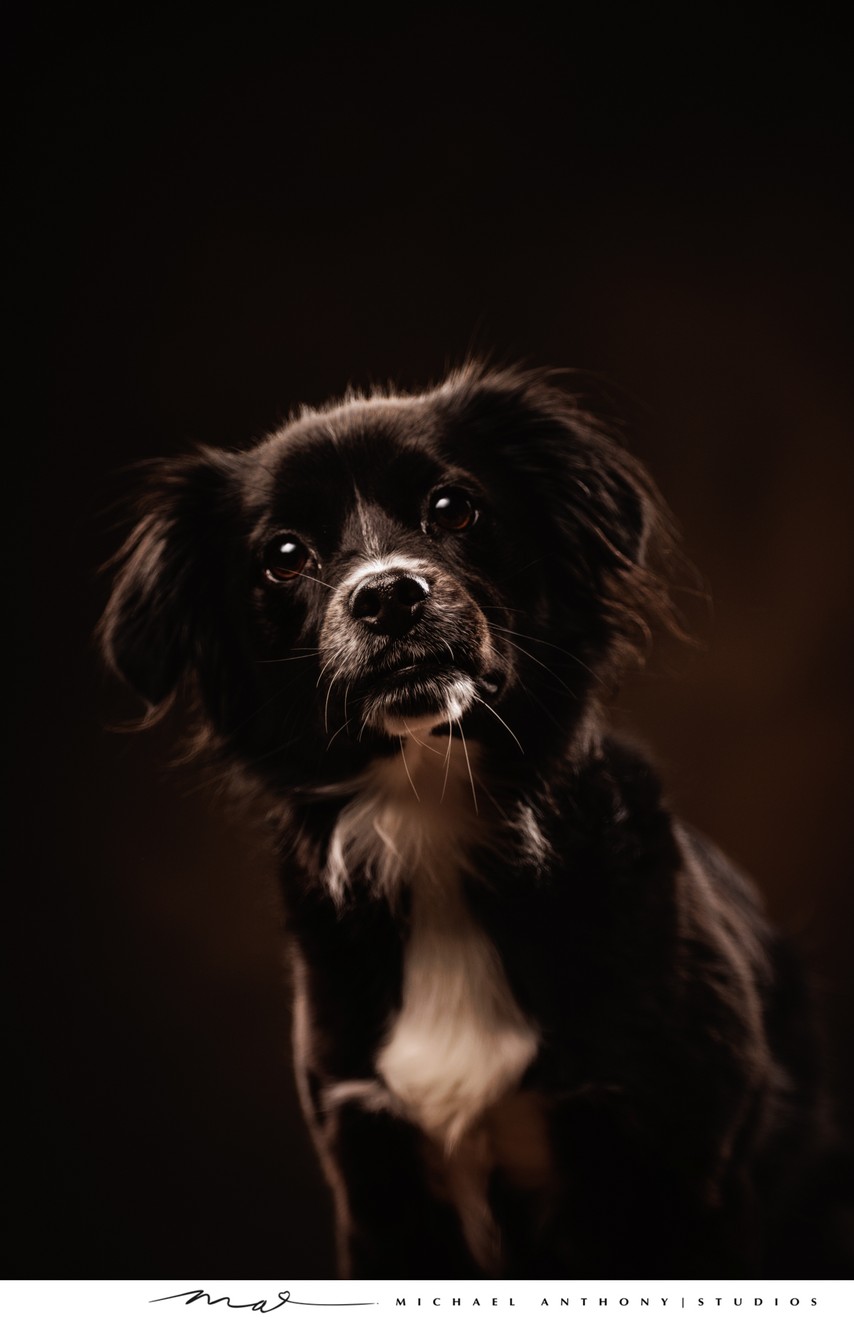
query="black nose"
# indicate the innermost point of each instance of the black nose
(389, 603)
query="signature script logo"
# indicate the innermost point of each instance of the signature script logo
(261, 1305)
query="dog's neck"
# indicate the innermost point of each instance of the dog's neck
(413, 815)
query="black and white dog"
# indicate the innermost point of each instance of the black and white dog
(541, 1027)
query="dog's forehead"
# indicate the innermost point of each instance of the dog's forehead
(322, 466)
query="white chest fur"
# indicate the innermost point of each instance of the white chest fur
(459, 1041)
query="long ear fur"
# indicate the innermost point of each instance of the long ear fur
(607, 530)
(161, 619)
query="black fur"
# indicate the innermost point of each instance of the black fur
(675, 1070)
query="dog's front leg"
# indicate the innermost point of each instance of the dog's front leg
(391, 1222)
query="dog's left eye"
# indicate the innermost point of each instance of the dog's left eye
(284, 558)
(452, 509)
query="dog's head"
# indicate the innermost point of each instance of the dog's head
(476, 556)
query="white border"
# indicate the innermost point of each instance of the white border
(380, 1301)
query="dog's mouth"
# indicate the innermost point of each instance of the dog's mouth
(413, 673)
(426, 693)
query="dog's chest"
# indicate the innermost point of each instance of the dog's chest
(458, 1042)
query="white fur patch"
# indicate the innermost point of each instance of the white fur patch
(535, 847)
(411, 814)
(391, 564)
(460, 1041)
(457, 697)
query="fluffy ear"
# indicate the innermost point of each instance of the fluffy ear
(581, 475)
(617, 502)
(600, 521)
(161, 616)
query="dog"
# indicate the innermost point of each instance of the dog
(541, 1027)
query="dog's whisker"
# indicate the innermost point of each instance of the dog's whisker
(496, 805)
(468, 765)
(278, 660)
(536, 659)
(336, 734)
(536, 698)
(312, 578)
(521, 569)
(447, 762)
(499, 718)
(545, 643)
(420, 742)
(406, 769)
(256, 711)
(336, 676)
(223, 780)
(329, 662)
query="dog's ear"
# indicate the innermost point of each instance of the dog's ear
(581, 478)
(615, 497)
(161, 619)
(603, 528)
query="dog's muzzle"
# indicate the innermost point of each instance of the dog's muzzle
(411, 649)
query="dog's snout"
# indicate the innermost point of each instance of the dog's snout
(389, 603)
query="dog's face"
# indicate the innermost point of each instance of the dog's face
(400, 552)
(470, 558)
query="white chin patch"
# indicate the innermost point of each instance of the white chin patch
(458, 697)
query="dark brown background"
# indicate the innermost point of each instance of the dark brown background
(220, 220)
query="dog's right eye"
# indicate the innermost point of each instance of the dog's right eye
(285, 557)
(452, 509)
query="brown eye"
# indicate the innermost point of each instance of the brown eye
(285, 558)
(453, 509)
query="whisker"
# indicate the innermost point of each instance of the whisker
(522, 568)
(414, 737)
(447, 762)
(329, 689)
(496, 805)
(277, 660)
(222, 778)
(468, 765)
(333, 658)
(545, 643)
(499, 718)
(312, 578)
(537, 660)
(336, 734)
(235, 729)
(537, 699)
(406, 769)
